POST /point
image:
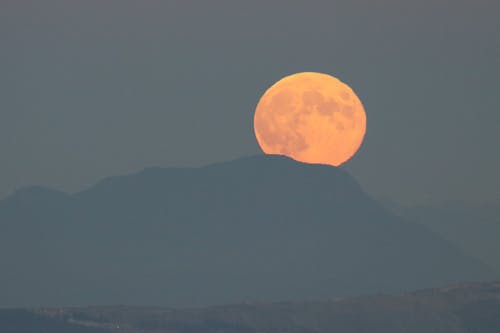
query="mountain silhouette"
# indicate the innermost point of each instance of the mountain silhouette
(262, 228)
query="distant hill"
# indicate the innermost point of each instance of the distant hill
(474, 228)
(263, 228)
(466, 308)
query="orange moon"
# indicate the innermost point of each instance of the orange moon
(312, 118)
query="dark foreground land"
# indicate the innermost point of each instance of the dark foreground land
(459, 308)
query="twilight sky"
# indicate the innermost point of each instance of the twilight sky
(94, 88)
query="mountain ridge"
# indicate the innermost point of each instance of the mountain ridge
(259, 228)
(462, 308)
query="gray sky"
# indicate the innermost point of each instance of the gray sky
(95, 88)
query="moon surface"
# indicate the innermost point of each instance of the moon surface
(312, 118)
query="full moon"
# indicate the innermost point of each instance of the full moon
(312, 118)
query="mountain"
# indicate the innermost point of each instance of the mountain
(263, 228)
(474, 228)
(465, 308)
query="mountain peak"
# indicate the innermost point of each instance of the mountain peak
(260, 228)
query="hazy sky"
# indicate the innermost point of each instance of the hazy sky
(95, 88)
